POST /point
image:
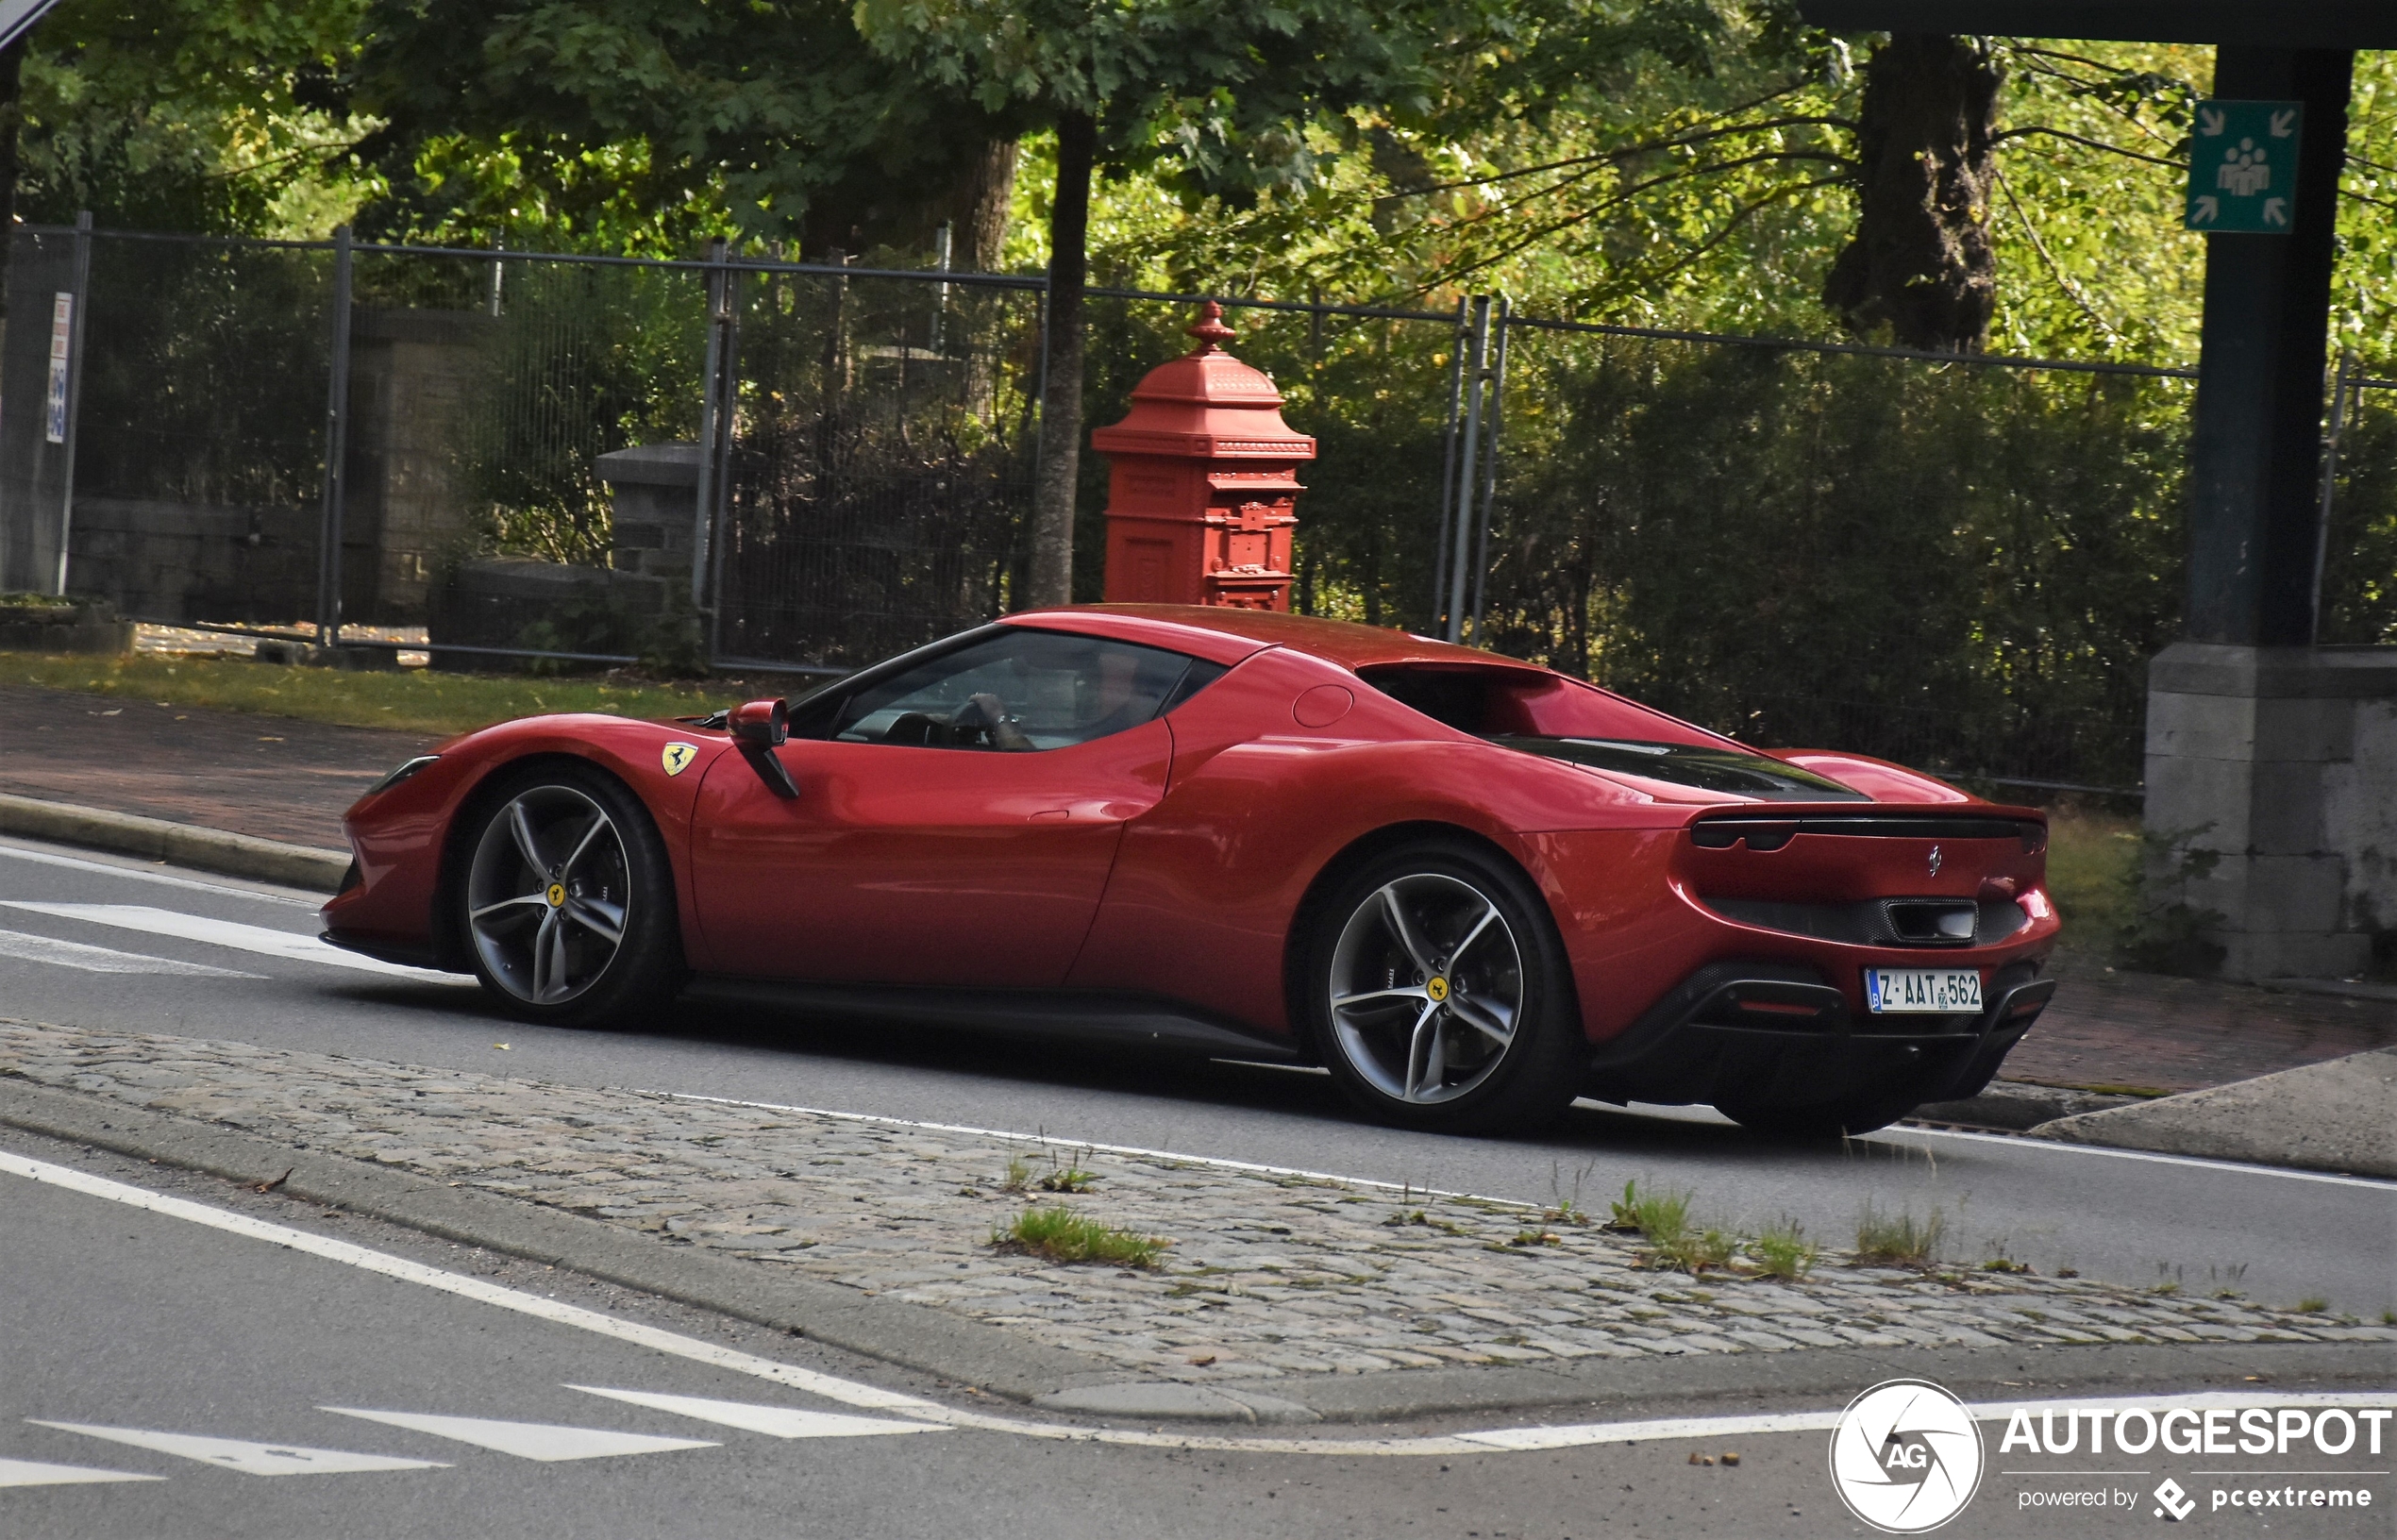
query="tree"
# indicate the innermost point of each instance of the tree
(1922, 261)
(651, 123)
(1213, 100)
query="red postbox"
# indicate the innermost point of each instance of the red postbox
(1202, 483)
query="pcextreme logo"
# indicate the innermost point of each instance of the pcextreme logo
(1905, 1456)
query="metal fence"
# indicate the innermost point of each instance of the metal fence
(569, 461)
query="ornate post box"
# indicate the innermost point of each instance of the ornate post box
(1202, 481)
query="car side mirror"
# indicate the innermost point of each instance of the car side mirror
(760, 727)
(761, 724)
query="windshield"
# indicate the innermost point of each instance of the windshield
(1733, 770)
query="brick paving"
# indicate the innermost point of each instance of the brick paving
(1268, 1275)
(288, 779)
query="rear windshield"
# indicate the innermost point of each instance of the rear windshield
(1735, 772)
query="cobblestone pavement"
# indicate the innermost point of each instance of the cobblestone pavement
(1269, 1274)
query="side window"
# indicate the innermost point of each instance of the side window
(1018, 691)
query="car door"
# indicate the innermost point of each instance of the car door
(956, 817)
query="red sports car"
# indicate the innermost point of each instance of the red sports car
(1470, 888)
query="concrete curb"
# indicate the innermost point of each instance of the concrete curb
(969, 1352)
(2337, 1116)
(186, 844)
(2016, 1104)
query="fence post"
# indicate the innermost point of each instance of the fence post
(76, 326)
(1476, 385)
(1447, 472)
(328, 566)
(704, 501)
(728, 418)
(1490, 468)
(2339, 387)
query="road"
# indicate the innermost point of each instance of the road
(128, 1329)
(2276, 1236)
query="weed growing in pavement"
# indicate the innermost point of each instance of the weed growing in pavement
(1536, 1237)
(1660, 1216)
(2312, 1306)
(2004, 1264)
(1567, 1208)
(1783, 1251)
(1898, 1240)
(1064, 1235)
(1073, 1178)
(2167, 1289)
(1019, 1174)
(1694, 1250)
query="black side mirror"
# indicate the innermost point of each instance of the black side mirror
(760, 727)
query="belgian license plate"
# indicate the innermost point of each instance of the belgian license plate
(1932, 991)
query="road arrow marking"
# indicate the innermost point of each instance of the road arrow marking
(34, 1473)
(242, 1455)
(2284, 122)
(2209, 208)
(529, 1440)
(2210, 122)
(779, 1421)
(247, 938)
(74, 954)
(2275, 210)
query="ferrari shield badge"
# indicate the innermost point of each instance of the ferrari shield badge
(679, 756)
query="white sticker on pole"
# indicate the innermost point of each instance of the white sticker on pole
(54, 425)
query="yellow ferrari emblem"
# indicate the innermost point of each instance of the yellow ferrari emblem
(678, 756)
(1437, 988)
(556, 895)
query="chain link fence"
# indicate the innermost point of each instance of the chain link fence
(555, 461)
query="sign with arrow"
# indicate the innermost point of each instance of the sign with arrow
(2243, 167)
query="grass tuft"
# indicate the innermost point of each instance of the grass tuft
(2312, 1306)
(1898, 1240)
(1063, 1236)
(1783, 1251)
(1072, 1178)
(1019, 1174)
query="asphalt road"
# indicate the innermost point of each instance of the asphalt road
(2277, 1236)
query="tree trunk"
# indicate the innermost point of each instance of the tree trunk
(979, 208)
(1921, 263)
(1061, 407)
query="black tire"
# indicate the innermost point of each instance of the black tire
(537, 933)
(1432, 1003)
(1835, 1119)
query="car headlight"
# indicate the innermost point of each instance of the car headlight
(402, 773)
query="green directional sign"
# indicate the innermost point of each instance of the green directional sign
(2243, 167)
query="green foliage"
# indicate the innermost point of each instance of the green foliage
(2165, 932)
(1061, 1235)
(1784, 1252)
(1898, 1240)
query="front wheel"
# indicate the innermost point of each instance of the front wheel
(1439, 997)
(567, 903)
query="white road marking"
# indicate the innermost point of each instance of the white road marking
(854, 1393)
(545, 1441)
(242, 1455)
(164, 879)
(779, 1421)
(2225, 1168)
(34, 1473)
(74, 954)
(286, 945)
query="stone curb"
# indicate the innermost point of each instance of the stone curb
(968, 1352)
(913, 1336)
(2017, 1105)
(2337, 1115)
(186, 844)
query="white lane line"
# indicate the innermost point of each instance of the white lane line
(779, 1421)
(2226, 1168)
(286, 945)
(547, 1441)
(854, 1393)
(30, 948)
(34, 1473)
(46, 858)
(242, 1455)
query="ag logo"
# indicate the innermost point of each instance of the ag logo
(1905, 1456)
(678, 757)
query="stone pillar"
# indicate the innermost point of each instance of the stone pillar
(2281, 765)
(1202, 483)
(652, 490)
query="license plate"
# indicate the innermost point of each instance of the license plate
(1931, 991)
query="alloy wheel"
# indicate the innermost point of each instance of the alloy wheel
(548, 895)
(1426, 988)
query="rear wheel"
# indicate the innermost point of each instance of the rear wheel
(1831, 1119)
(1439, 997)
(567, 903)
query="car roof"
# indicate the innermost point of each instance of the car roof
(1226, 636)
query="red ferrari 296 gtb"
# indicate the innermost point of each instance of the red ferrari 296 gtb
(1470, 888)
